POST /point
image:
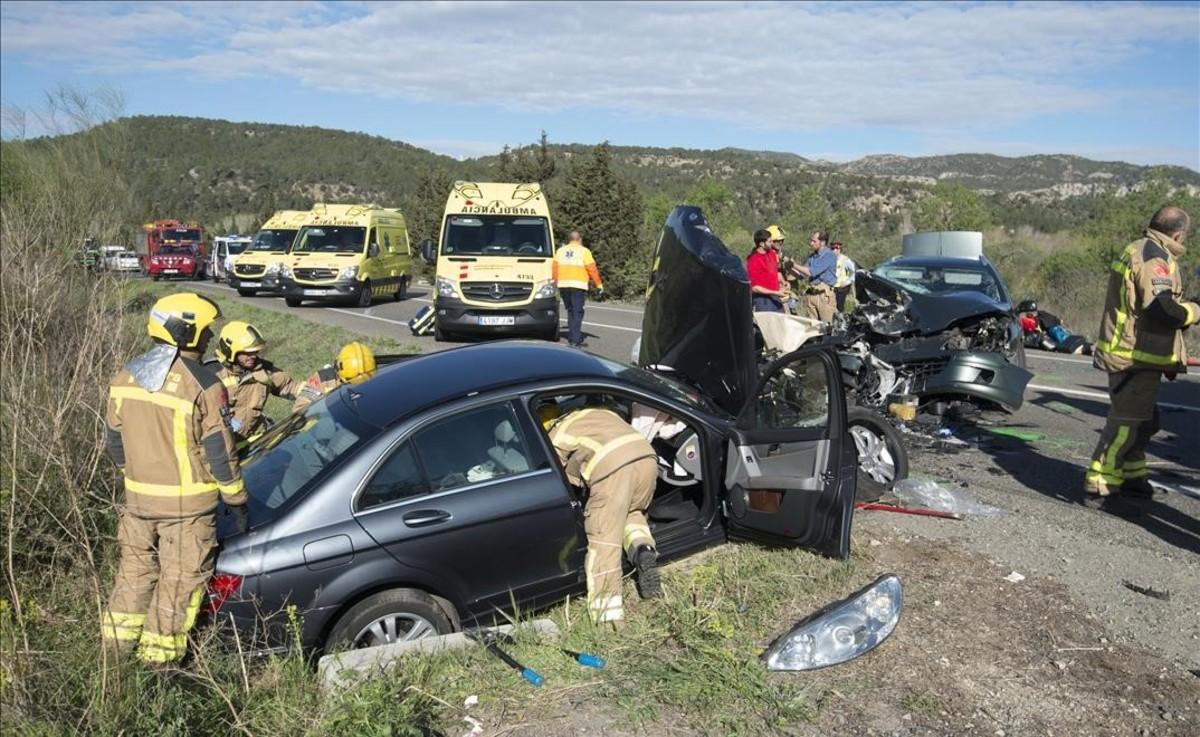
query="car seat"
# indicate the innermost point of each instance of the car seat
(504, 453)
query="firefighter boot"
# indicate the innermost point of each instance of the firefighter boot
(649, 582)
(1137, 488)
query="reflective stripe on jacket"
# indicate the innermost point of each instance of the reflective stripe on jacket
(593, 443)
(322, 382)
(175, 444)
(248, 392)
(843, 272)
(1144, 311)
(574, 265)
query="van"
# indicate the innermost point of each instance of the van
(348, 253)
(224, 250)
(495, 262)
(256, 269)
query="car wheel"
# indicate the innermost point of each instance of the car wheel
(364, 297)
(397, 615)
(882, 457)
(292, 301)
(550, 334)
(439, 335)
(154, 277)
(402, 292)
(250, 293)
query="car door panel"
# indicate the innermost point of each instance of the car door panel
(786, 477)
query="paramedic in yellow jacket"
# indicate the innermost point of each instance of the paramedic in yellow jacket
(573, 267)
(166, 428)
(605, 455)
(1141, 339)
(249, 378)
(355, 363)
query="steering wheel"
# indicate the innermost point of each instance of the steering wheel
(528, 248)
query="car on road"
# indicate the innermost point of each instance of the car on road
(429, 498)
(122, 260)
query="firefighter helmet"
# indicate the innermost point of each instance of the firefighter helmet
(548, 413)
(776, 232)
(355, 363)
(238, 337)
(181, 319)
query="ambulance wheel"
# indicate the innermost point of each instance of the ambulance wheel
(440, 335)
(402, 292)
(364, 296)
(292, 301)
(550, 334)
(396, 615)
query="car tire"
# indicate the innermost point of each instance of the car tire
(439, 335)
(882, 457)
(292, 301)
(551, 334)
(1018, 358)
(154, 277)
(249, 293)
(364, 297)
(394, 615)
(402, 292)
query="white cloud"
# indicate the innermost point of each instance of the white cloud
(774, 66)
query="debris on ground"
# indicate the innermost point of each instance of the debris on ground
(919, 511)
(1164, 595)
(1014, 577)
(928, 494)
(1008, 432)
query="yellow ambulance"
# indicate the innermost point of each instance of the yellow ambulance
(348, 253)
(494, 262)
(256, 269)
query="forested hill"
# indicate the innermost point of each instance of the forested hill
(209, 169)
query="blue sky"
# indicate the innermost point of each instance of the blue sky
(838, 81)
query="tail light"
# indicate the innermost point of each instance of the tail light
(220, 588)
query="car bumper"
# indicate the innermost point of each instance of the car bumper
(331, 291)
(459, 317)
(173, 273)
(260, 633)
(269, 283)
(986, 376)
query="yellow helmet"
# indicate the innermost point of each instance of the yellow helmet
(181, 319)
(355, 363)
(776, 232)
(548, 413)
(238, 337)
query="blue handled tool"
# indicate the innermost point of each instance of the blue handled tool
(488, 640)
(586, 659)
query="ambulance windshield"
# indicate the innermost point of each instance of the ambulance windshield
(273, 240)
(496, 235)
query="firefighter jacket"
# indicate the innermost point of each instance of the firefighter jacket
(573, 266)
(173, 442)
(594, 443)
(318, 385)
(248, 392)
(1145, 313)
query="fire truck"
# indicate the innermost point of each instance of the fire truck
(174, 250)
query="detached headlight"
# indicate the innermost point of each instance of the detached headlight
(445, 287)
(275, 268)
(348, 273)
(544, 289)
(841, 631)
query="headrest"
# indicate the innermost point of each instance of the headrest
(505, 433)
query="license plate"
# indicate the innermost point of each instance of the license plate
(315, 292)
(498, 320)
(170, 271)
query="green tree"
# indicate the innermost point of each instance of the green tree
(951, 207)
(535, 163)
(429, 201)
(607, 209)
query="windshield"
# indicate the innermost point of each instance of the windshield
(330, 239)
(174, 251)
(296, 453)
(660, 385)
(496, 235)
(937, 279)
(181, 234)
(235, 247)
(272, 240)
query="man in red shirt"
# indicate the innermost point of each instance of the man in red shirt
(763, 267)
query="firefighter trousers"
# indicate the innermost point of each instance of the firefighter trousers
(156, 596)
(615, 520)
(1120, 454)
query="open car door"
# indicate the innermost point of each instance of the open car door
(790, 468)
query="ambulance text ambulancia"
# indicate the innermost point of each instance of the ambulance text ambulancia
(494, 262)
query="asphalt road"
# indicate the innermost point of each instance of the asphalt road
(1036, 479)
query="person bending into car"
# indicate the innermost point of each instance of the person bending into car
(762, 265)
(249, 378)
(603, 454)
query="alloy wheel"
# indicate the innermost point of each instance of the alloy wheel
(396, 627)
(874, 458)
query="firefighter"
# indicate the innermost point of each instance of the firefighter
(355, 363)
(1141, 339)
(249, 378)
(167, 429)
(605, 455)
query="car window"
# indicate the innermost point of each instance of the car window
(796, 395)
(473, 446)
(938, 279)
(400, 477)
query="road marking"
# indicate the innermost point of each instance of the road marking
(340, 311)
(1063, 359)
(1098, 395)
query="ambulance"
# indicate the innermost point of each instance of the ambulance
(494, 262)
(256, 268)
(348, 253)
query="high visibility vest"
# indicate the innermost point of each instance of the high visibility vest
(574, 265)
(843, 272)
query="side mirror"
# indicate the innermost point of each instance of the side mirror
(373, 250)
(428, 253)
